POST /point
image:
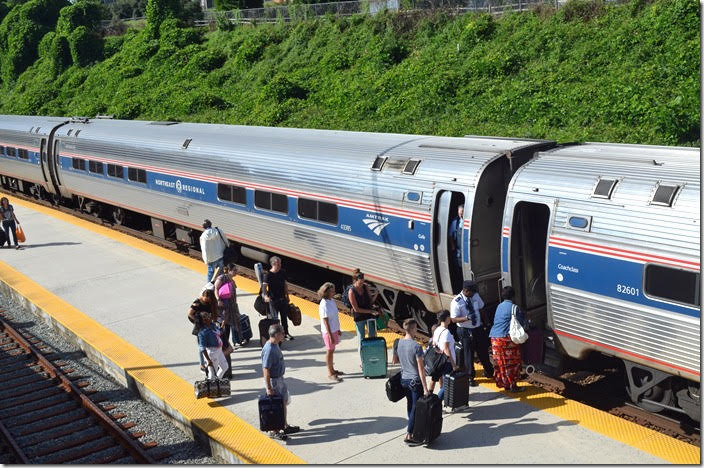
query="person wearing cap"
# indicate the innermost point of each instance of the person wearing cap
(464, 311)
(212, 247)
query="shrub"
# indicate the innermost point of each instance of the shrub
(583, 10)
(86, 46)
(86, 13)
(60, 57)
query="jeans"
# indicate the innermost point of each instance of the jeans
(212, 266)
(475, 340)
(414, 390)
(201, 358)
(359, 326)
(280, 307)
(10, 227)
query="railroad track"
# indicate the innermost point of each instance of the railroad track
(47, 417)
(679, 429)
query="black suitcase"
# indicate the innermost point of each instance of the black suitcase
(3, 237)
(264, 325)
(271, 413)
(428, 419)
(245, 329)
(456, 385)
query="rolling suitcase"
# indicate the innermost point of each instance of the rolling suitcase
(264, 325)
(212, 388)
(245, 328)
(456, 385)
(373, 353)
(428, 419)
(271, 413)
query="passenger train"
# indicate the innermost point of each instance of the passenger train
(600, 241)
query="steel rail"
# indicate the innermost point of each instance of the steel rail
(125, 440)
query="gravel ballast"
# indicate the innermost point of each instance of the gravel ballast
(170, 439)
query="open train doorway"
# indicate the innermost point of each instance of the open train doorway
(529, 236)
(448, 241)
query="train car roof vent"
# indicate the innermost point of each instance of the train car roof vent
(77, 132)
(665, 195)
(187, 142)
(36, 130)
(163, 122)
(30, 130)
(379, 163)
(70, 130)
(604, 188)
(411, 166)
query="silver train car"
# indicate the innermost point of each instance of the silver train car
(601, 243)
(384, 202)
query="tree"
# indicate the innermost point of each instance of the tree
(158, 11)
(86, 46)
(86, 13)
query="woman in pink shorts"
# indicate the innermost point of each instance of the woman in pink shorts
(329, 326)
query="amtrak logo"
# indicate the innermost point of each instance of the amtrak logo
(376, 226)
(179, 188)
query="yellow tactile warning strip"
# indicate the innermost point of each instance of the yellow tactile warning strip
(626, 432)
(598, 421)
(244, 441)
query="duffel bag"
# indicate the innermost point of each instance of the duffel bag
(394, 390)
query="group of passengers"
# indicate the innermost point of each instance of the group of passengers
(215, 317)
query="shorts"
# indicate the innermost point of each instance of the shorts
(279, 386)
(331, 340)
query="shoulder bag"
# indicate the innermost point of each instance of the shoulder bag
(434, 359)
(394, 390)
(516, 332)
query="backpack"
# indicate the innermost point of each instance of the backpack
(346, 297)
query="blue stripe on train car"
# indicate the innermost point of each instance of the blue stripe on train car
(504, 254)
(605, 276)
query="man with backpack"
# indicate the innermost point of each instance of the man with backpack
(212, 247)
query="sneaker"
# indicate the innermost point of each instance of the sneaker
(278, 435)
(289, 337)
(291, 429)
(473, 383)
(204, 370)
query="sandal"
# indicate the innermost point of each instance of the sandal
(337, 372)
(335, 378)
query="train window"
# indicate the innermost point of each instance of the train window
(12, 152)
(2, 150)
(673, 284)
(76, 163)
(378, 163)
(22, 154)
(604, 188)
(137, 175)
(411, 166)
(307, 208)
(232, 193)
(271, 201)
(116, 171)
(665, 194)
(327, 212)
(95, 167)
(317, 210)
(580, 222)
(279, 203)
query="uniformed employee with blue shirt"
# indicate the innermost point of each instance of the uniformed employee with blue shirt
(464, 311)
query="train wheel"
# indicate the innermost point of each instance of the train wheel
(659, 393)
(119, 216)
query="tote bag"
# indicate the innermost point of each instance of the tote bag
(516, 332)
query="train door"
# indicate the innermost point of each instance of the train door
(528, 245)
(51, 163)
(42, 157)
(448, 267)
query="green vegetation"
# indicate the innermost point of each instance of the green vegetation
(590, 71)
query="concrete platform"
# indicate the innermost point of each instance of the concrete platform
(126, 302)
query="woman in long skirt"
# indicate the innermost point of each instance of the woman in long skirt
(507, 354)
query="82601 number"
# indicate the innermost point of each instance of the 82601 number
(631, 291)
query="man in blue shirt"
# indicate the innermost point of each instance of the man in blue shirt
(464, 311)
(274, 367)
(454, 235)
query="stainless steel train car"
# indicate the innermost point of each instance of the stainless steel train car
(601, 243)
(384, 202)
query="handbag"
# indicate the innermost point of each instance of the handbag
(294, 314)
(225, 291)
(261, 306)
(20, 233)
(212, 388)
(394, 390)
(434, 359)
(382, 321)
(516, 332)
